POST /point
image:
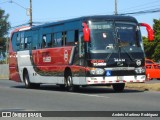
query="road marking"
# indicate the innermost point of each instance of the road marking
(98, 96)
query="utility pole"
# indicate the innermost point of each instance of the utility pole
(30, 13)
(29, 10)
(116, 12)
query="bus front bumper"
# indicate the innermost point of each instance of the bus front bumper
(115, 79)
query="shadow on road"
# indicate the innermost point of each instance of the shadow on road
(87, 90)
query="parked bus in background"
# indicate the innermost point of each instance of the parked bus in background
(85, 51)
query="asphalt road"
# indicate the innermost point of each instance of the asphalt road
(14, 97)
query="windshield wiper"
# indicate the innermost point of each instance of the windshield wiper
(130, 56)
(109, 55)
(118, 45)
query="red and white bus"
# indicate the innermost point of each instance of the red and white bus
(85, 51)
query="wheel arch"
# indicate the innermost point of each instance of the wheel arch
(67, 72)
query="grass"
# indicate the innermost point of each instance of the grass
(4, 77)
(144, 86)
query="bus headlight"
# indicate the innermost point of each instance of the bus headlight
(140, 70)
(97, 71)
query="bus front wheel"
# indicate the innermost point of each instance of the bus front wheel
(118, 87)
(69, 84)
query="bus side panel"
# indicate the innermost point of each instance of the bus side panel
(49, 60)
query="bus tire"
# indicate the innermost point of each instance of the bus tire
(69, 84)
(62, 87)
(118, 87)
(27, 82)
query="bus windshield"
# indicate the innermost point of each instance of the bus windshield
(109, 34)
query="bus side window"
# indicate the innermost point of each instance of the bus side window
(59, 39)
(76, 36)
(22, 40)
(49, 40)
(70, 38)
(44, 40)
(22, 44)
(18, 41)
(27, 43)
(64, 38)
(35, 41)
(53, 39)
(14, 41)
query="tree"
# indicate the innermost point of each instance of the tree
(156, 28)
(4, 27)
(149, 48)
(152, 49)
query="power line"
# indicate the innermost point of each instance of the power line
(130, 13)
(141, 9)
(11, 1)
(142, 12)
(28, 10)
(19, 25)
(4, 2)
(140, 6)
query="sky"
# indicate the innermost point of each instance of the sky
(55, 10)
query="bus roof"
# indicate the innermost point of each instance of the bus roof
(86, 18)
(22, 28)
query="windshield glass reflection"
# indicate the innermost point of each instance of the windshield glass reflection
(107, 35)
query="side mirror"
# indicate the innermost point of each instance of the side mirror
(86, 32)
(149, 30)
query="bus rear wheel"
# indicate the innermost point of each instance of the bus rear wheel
(27, 82)
(118, 87)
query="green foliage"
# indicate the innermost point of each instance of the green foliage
(152, 49)
(156, 54)
(4, 27)
(156, 28)
(149, 48)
